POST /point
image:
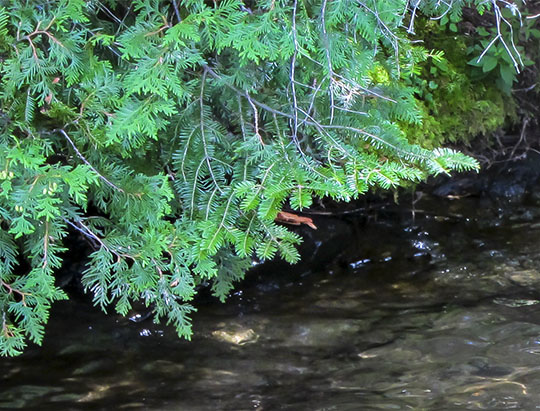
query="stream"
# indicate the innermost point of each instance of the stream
(436, 311)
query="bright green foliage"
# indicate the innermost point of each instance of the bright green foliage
(456, 104)
(466, 91)
(170, 133)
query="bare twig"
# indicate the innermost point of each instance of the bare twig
(448, 8)
(309, 120)
(79, 154)
(87, 232)
(498, 19)
(176, 11)
(255, 119)
(521, 137)
(203, 133)
(313, 97)
(416, 3)
(328, 60)
(293, 82)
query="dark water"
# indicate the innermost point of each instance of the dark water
(440, 313)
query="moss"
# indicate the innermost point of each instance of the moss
(455, 108)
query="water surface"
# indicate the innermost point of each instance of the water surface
(437, 313)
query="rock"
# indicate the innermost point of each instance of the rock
(238, 336)
(461, 186)
(525, 277)
(510, 180)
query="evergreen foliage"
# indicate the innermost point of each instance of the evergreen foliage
(170, 134)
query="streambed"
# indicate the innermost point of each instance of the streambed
(437, 312)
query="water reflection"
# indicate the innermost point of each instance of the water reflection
(442, 313)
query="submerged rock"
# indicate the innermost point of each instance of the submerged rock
(525, 277)
(239, 336)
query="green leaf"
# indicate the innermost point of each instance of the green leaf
(488, 63)
(508, 74)
(482, 31)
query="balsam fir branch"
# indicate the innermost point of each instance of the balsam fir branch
(171, 134)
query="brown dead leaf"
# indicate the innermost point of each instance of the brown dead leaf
(294, 219)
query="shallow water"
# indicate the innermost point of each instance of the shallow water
(439, 313)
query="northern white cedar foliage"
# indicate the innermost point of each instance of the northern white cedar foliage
(170, 134)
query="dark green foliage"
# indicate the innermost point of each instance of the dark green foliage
(457, 106)
(170, 133)
(496, 61)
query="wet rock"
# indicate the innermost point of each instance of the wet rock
(94, 367)
(461, 186)
(393, 353)
(525, 277)
(508, 187)
(520, 176)
(319, 248)
(485, 369)
(505, 180)
(237, 336)
(317, 333)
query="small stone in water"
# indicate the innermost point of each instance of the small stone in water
(240, 337)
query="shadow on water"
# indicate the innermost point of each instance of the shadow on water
(437, 313)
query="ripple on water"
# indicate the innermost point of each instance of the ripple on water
(455, 328)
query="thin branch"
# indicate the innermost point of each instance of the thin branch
(176, 11)
(321, 127)
(79, 154)
(498, 18)
(360, 113)
(521, 137)
(165, 26)
(313, 97)
(194, 188)
(12, 290)
(328, 60)
(255, 119)
(293, 67)
(410, 30)
(241, 117)
(85, 230)
(201, 125)
(46, 246)
(110, 13)
(376, 138)
(87, 233)
(448, 8)
(5, 328)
